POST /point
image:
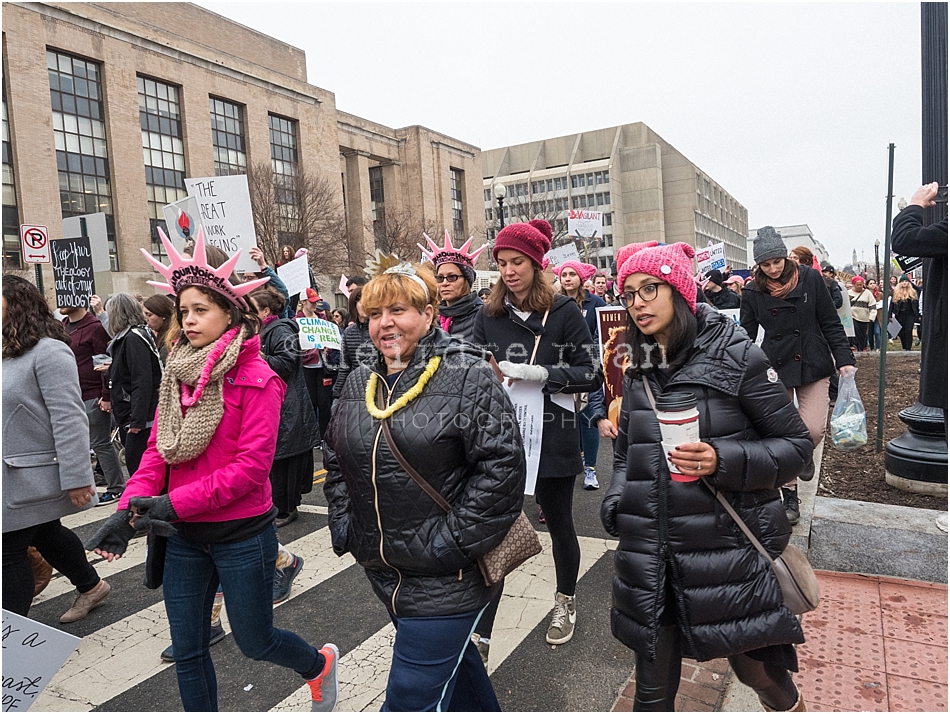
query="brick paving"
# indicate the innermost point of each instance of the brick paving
(874, 644)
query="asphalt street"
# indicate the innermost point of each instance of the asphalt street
(117, 667)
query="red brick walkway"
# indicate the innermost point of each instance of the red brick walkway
(874, 644)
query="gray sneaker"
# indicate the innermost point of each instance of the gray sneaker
(325, 687)
(561, 629)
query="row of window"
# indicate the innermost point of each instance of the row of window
(596, 178)
(593, 201)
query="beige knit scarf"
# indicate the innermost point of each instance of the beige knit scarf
(194, 379)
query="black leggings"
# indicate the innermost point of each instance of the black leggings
(555, 496)
(658, 681)
(135, 443)
(59, 546)
(321, 395)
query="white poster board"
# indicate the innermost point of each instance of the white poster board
(224, 209)
(528, 401)
(295, 274)
(182, 220)
(316, 334)
(585, 223)
(562, 254)
(734, 314)
(98, 238)
(32, 654)
(711, 258)
(844, 314)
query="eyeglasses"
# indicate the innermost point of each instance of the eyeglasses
(450, 278)
(647, 293)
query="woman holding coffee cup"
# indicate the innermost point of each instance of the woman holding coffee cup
(687, 583)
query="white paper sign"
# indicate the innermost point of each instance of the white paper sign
(563, 254)
(98, 238)
(342, 285)
(32, 654)
(711, 258)
(182, 220)
(224, 209)
(734, 314)
(585, 223)
(317, 334)
(893, 327)
(528, 401)
(295, 274)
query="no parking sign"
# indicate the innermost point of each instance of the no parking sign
(34, 240)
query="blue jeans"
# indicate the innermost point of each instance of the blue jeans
(874, 338)
(590, 435)
(436, 667)
(246, 572)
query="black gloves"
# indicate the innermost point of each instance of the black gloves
(113, 537)
(154, 514)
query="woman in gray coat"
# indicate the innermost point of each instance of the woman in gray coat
(46, 469)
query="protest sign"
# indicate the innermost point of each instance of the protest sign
(528, 401)
(295, 274)
(712, 257)
(562, 254)
(734, 314)
(844, 314)
(32, 654)
(182, 221)
(98, 236)
(611, 326)
(73, 277)
(316, 334)
(342, 286)
(224, 210)
(585, 223)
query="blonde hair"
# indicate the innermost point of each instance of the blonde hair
(390, 288)
(904, 291)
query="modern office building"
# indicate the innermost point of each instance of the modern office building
(646, 189)
(108, 107)
(794, 236)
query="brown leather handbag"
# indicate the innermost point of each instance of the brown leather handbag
(42, 571)
(520, 544)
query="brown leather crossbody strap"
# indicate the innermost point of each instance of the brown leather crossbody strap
(537, 338)
(423, 484)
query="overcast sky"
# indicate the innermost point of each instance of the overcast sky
(790, 107)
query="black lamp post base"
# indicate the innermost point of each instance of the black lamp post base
(917, 460)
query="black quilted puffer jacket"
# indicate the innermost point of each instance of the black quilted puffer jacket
(727, 598)
(459, 434)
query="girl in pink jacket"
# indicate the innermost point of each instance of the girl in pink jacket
(203, 483)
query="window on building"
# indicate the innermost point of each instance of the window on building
(457, 180)
(590, 179)
(487, 195)
(606, 177)
(162, 150)
(11, 219)
(600, 199)
(606, 199)
(583, 200)
(376, 195)
(82, 159)
(283, 156)
(550, 185)
(609, 240)
(573, 181)
(227, 137)
(558, 184)
(608, 219)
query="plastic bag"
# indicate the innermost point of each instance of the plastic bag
(849, 424)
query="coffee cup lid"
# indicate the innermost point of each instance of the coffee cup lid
(675, 402)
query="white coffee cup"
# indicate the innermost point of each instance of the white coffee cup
(679, 424)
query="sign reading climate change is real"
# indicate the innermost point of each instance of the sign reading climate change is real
(316, 334)
(224, 210)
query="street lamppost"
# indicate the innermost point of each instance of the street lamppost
(500, 192)
(877, 261)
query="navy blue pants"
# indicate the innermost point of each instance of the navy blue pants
(436, 667)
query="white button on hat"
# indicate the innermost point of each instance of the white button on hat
(665, 269)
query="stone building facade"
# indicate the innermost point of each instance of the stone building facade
(646, 188)
(109, 106)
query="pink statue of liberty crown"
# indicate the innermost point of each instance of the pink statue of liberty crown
(449, 253)
(185, 272)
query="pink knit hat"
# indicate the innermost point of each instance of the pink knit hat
(584, 270)
(624, 253)
(673, 264)
(533, 239)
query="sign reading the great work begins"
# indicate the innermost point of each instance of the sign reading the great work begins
(316, 334)
(72, 272)
(224, 210)
(32, 654)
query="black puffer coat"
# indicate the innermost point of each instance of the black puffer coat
(134, 377)
(566, 349)
(802, 331)
(280, 347)
(459, 435)
(463, 313)
(355, 348)
(727, 598)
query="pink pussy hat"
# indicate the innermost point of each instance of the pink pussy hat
(624, 253)
(585, 271)
(673, 264)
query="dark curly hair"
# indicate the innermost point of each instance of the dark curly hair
(27, 318)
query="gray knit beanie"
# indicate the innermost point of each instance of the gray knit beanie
(768, 244)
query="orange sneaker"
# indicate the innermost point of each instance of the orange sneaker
(325, 687)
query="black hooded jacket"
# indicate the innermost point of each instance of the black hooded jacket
(462, 312)
(460, 435)
(727, 598)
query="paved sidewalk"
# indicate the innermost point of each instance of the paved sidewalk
(874, 644)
